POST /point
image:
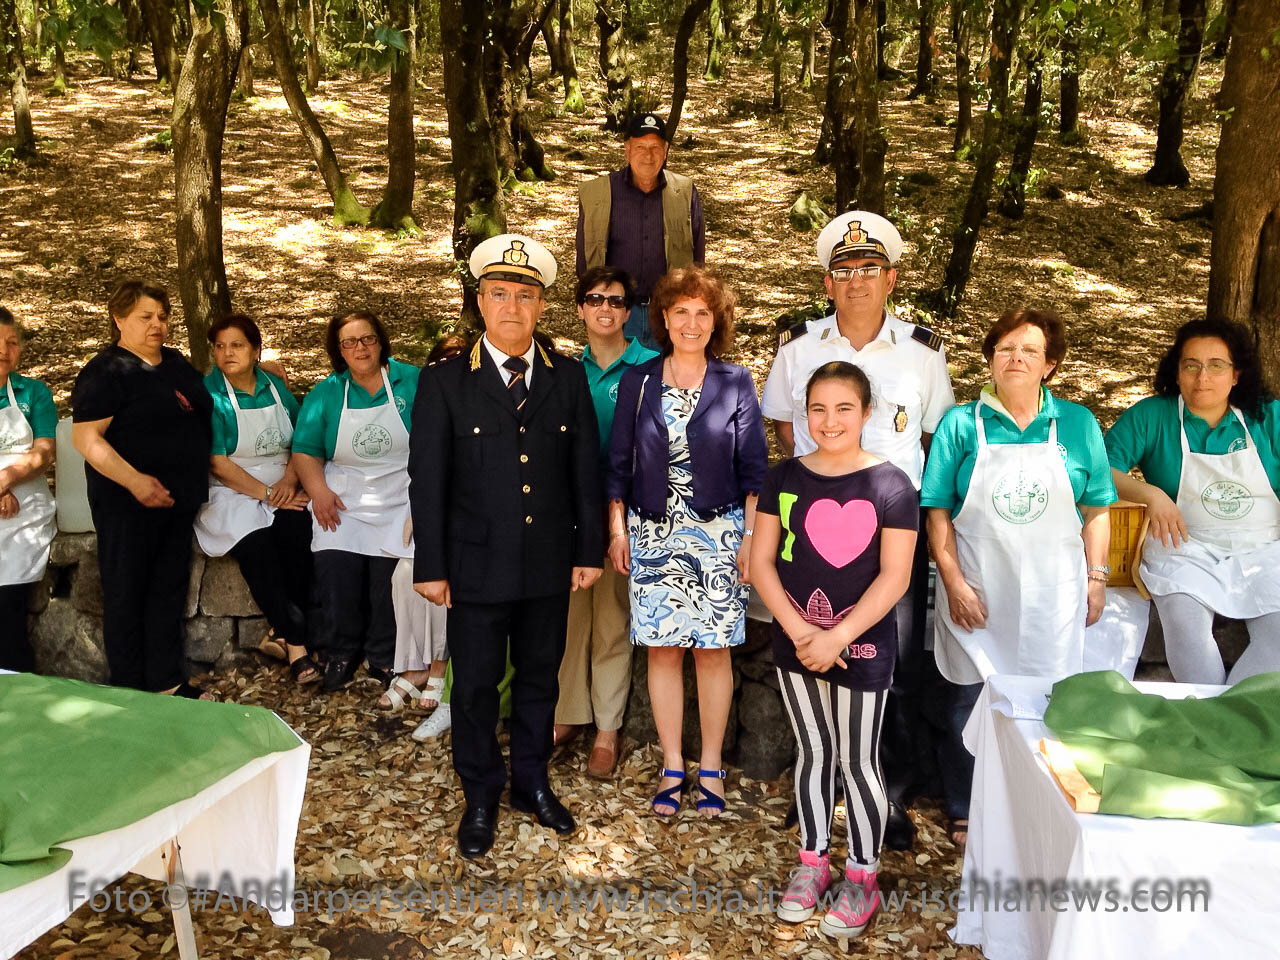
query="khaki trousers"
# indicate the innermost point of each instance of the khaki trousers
(595, 674)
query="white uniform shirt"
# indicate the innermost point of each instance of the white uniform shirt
(910, 388)
(499, 358)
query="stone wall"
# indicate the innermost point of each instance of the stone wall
(223, 622)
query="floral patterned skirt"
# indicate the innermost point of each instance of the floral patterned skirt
(684, 584)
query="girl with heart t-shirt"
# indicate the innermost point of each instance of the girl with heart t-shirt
(834, 537)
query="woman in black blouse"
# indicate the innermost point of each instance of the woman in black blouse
(142, 422)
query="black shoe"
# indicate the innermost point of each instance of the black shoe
(383, 676)
(899, 830)
(337, 673)
(542, 803)
(475, 831)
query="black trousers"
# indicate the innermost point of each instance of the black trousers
(276, 564)
(145, 562)
(907, 745)
(15, 648)
(356, 616)
(478, 635)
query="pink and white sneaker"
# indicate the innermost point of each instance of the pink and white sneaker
(856, 903)
(808, 883)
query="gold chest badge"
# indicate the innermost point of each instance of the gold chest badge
(900, 419)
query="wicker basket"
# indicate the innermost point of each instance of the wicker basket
(1128, 531)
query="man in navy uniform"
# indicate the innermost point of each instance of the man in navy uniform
(505, 492)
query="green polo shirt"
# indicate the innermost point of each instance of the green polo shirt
(955, 448)
(1146, 436)
(226, 429)
(316, 433)
(603, 384)
(35, 403)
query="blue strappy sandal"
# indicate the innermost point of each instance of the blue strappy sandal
(709, 801)
(670, 796)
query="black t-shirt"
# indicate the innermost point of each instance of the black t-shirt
(160, 424)
(830, 553)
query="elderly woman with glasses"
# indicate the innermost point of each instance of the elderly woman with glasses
(1016, 492)
(351, 454)
(1208, 446)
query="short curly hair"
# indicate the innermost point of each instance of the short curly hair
(694, 282)
(1251, 391)
(1049, 323)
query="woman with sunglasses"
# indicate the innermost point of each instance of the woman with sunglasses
(1208, 445)
(351, 453)
(595, 674)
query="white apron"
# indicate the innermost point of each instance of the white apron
(370, 473)
(262, 450)
(24, 539)
(1019, 546)
(1231, 564)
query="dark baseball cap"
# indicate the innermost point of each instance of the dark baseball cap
(643, 124)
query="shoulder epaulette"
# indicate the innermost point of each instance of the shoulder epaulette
(789, 334)
(926, 336)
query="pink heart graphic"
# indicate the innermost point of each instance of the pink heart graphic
(840, 533)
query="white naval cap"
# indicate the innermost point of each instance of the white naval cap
(858, 234)
(515, 257)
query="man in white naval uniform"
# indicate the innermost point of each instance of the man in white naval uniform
(911, 390)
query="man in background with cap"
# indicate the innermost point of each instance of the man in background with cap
(505, 491)
(642, 219)
(911, 390)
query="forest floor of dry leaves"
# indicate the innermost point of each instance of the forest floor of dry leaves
(1120, 259)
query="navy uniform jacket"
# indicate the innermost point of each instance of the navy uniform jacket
(504, 504)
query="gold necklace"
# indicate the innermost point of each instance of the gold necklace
(671, 373)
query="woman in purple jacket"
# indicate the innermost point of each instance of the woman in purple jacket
(687, 457)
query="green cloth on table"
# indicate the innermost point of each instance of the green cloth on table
(1215, 759)
(78, 759)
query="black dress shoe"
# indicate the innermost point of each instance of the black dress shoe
(542, 803)
(899, 830)
(337, 673)
(475, 830)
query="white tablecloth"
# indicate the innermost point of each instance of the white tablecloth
(243, 826)
(1022, 828)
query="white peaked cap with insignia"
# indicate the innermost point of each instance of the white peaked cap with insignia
(858, 234)
(515, 257)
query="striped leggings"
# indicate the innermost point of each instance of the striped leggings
(837, 728)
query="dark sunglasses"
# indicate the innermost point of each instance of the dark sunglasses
(599, 300)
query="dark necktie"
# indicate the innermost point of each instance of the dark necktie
(519, 389)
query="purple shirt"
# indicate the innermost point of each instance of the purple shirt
(635, 231)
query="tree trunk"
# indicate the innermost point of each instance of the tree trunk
(311, 30)
(1005, 21)
(1014, 202)
(926, 82)
(1069, 81)
(1168, 170)
(159, 21)
(59, 85)
(619, 100)
(478, 211)
(395, 211)
(960, 33)
(680, 62)
(514, 26)
(860, 144)
(16, 65)
(573, 101)
(838, 62)
(808, 61)
(244, 76)
(777, 49)
(1244, 264)
(1220, 45)
(347, 211)
(882, 37)
(715, 39)
(550, 27)
(199, 121)
(135, 34)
